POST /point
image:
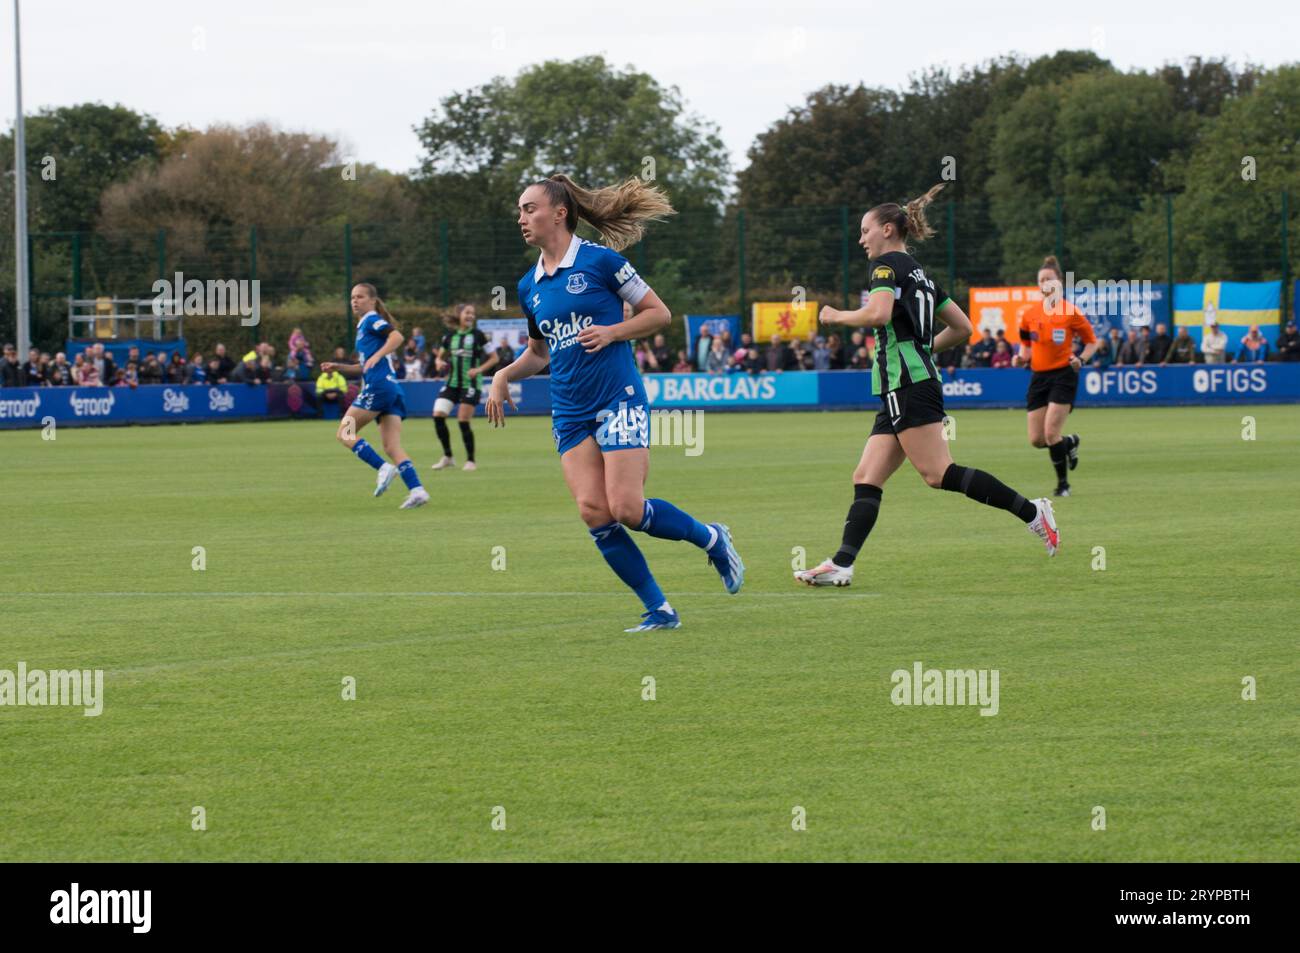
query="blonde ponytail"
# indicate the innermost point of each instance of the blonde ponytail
(908, 220)
(917, 226)
(619, 212)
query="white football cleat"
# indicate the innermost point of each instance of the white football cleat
(827, 574)
(469, 465)
(444, 463)
(1044, 525)
(386, 474)
(417, 497)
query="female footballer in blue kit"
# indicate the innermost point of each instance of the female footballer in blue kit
(573, 301)
(378, 338)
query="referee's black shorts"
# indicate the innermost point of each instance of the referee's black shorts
(1052, 387)
(912, 406)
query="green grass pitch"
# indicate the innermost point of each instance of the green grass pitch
(479, 688)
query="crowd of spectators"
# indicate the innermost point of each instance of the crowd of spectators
(719, 354)
(416, 361)
(1144, 347)
(95, 366)
(262, 364)
(1139, 347)
(419, 356)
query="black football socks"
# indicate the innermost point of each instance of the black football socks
(987, 489)
(862, 516)
(444, 435)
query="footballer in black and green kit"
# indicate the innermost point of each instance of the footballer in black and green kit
(903, 304)
(464, 352)
(904, 375)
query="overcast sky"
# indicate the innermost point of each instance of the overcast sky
(365, 73)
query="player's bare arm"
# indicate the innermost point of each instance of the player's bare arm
(957, 327)
(534, 358)
(874, 314)
(649, 316)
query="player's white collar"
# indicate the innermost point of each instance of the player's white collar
(366, 315)
(570, 257)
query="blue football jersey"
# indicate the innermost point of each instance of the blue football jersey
(589, 287)
(372, 331)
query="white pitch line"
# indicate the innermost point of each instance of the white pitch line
(372, 594)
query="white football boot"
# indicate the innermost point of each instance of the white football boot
(827, 574)
(1044, 525)
(417, 497)
(386, 474)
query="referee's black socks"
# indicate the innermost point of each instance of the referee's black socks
(862, 516)
(987, 489)
(1060, 454)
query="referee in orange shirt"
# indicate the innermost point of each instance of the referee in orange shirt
(1047, 332)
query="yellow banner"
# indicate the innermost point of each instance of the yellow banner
(785, 318)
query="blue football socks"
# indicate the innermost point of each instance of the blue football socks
(666, 521)
(368, 454)
(623, 556)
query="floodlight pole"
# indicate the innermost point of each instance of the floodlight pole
(22, 300)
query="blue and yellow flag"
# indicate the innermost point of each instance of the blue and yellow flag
(1236, 305)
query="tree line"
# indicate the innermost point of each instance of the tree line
(1037, 153)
